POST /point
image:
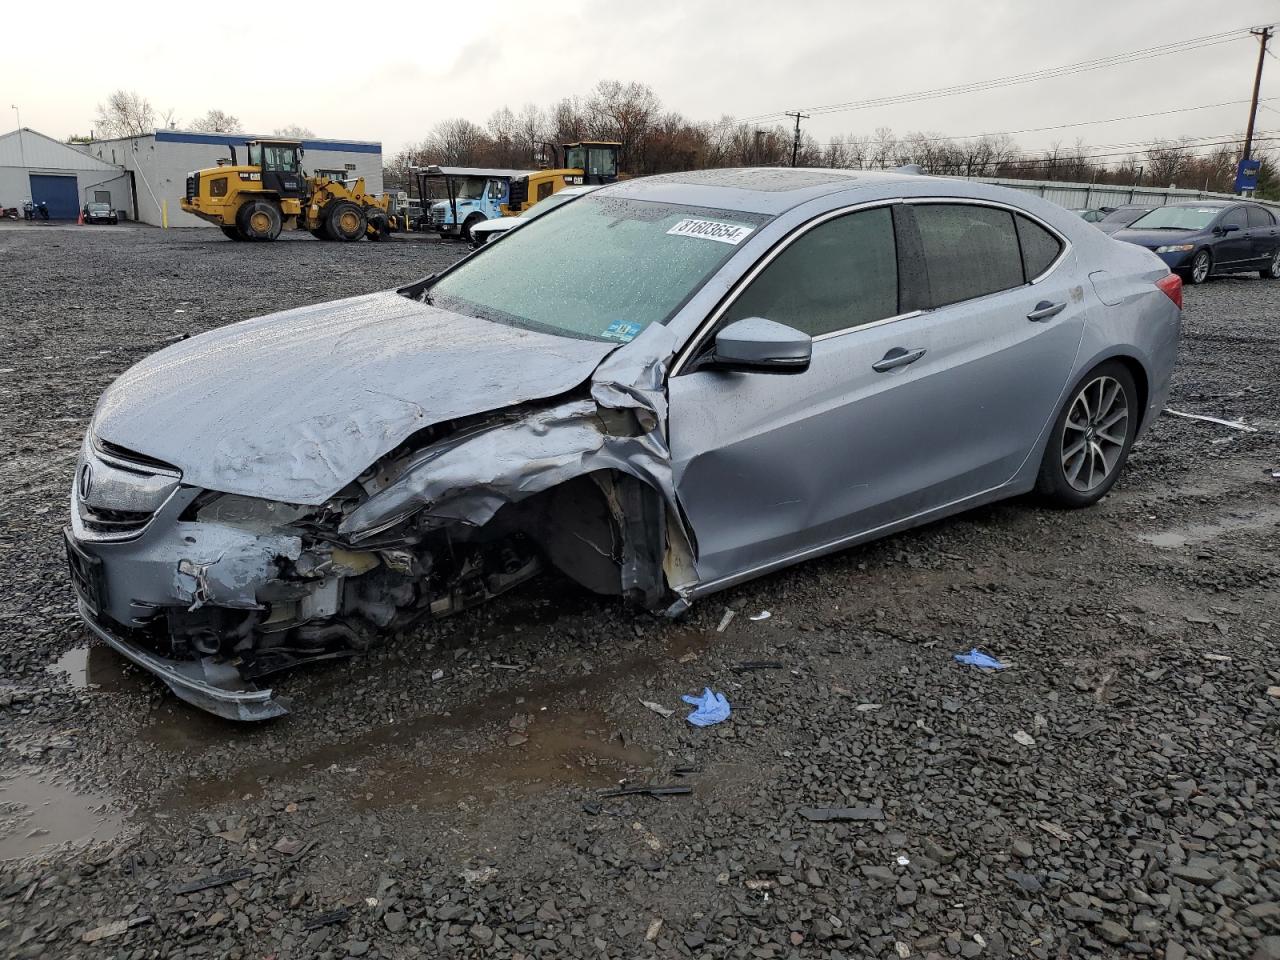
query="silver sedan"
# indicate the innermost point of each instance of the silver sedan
(666, 387)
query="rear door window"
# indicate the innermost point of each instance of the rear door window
(1039, 247)
(969, 250)
(1259, 217)
(841, 274)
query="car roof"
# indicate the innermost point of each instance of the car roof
(765, 190)
(1204, 203)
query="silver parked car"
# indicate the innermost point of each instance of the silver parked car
(666, 387)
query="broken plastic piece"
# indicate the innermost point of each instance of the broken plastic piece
(657, 708)
(217, 880)
(712, 708)
(340, 915)
(647, 791)
(726, 619)
(1233, 424)
(762, 615)
(976, 658)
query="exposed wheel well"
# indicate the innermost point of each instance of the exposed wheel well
(1139, 374)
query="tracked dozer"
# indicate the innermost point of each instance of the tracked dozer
(271, 193)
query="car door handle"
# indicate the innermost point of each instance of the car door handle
(897, 357)
(1044, 310)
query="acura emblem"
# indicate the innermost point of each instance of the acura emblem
(86, 481)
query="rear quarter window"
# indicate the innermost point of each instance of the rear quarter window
(1260, 218)
(969, 251)
(1039, 247)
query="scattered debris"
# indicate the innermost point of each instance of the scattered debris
(762, 615)
(657, 708)
(1219, 657)
(437, 675)
(711, 708)
(479, 875)
(591, 808)
(287, 845)
(655, 928)
(1273, 691)
(113, 929)
(237, 835)
(823, 814)
(760, 884)
(647, 790)
(976, 658)
(746, 665)
(904, 860)
(685, 771)
(1054, 830)
(216, 880)
(1024, 738)
(1272, 473)
(1233, 424)
(902, 949)
(865, 707)
(341, 915)
(726, 619)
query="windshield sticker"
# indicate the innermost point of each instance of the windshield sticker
(711, 230)
(623, 330)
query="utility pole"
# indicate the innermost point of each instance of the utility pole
(795, 144)
(22, 152)
(1264, 37)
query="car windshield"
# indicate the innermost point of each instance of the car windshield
(603, 268)
(99, 207)
(1177, 218)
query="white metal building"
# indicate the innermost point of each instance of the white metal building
(43, 170)
(159, 163)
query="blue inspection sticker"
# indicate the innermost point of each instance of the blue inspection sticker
(623, 330)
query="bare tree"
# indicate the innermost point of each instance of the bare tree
(218, 121)
(459, 142)
(125, 114)
(623, 112)
(294, 132)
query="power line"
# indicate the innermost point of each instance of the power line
(1083, 123)
(1098, 63)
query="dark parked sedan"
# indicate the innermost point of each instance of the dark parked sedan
(99, 213)
(1210, 237)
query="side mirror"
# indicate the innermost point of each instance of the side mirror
(757, 344)
(1229, 228)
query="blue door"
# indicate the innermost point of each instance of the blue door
(59, 194)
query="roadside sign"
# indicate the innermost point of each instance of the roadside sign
(1247, 175)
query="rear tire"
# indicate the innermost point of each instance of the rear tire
(379, 226)
(345, 220)
(1272, 272)
(1200, 267)
(231, 233)
(259, 220)
(1091, 437)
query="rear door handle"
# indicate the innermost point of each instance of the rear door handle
(897, 357)
(1044, 310)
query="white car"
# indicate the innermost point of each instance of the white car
(482, 233)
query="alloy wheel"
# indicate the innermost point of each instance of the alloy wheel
(1275, 266)
(1200, 268)
(1094, 435)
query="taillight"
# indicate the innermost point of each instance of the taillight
(1172, 288)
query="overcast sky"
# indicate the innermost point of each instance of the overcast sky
(391, 76)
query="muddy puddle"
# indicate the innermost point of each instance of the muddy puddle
(97, 667)
(1194, 533)
(39, 812)
(532, 737)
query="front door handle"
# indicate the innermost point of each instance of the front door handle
(1044, 310)
(897, 357)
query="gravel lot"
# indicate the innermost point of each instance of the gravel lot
(1115, 791)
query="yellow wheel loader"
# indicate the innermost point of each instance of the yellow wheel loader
(271, 193)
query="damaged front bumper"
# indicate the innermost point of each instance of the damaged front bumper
(209, 685)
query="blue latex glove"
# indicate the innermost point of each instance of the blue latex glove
(712, 708)
(976, 658)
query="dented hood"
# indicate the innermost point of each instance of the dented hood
(295, 405)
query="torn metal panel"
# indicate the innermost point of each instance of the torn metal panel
(360, 377)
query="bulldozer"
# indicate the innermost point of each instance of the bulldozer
(272, 192)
